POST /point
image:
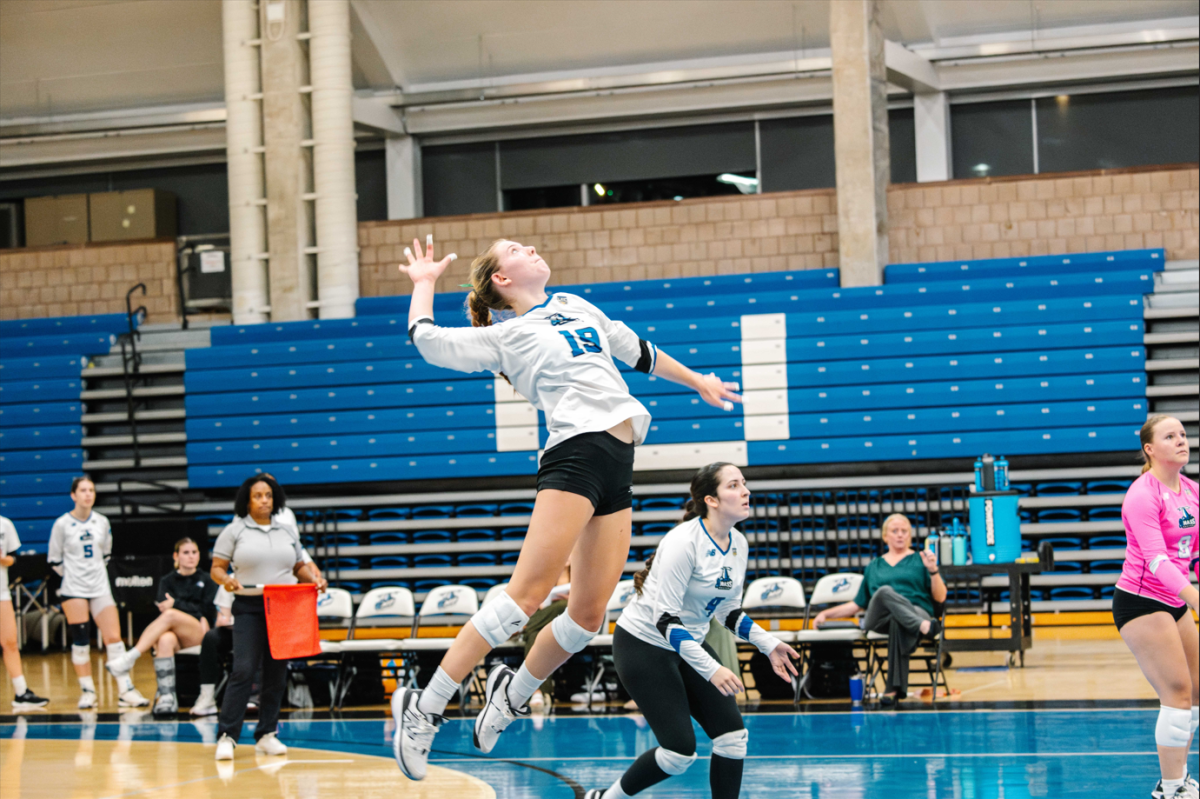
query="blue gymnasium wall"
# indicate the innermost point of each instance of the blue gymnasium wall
(1020, 356)
(40, 411)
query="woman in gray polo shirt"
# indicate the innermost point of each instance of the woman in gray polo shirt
(262, 550)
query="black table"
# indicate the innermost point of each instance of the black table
(1020, 607)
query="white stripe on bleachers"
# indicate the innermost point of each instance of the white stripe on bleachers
(650, 457)
(764, 377)
(516, 420)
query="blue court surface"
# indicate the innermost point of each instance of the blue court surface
(942, 754)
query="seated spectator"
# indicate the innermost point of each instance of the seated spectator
(185, 598)
(898, 593)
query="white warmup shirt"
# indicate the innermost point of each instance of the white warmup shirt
(79, 551)
(559, 356)
(9, 543)
(691, 581)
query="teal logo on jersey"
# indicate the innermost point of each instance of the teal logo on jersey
(710, 553)
(724, 582)
(558, 319)
(1187, 519)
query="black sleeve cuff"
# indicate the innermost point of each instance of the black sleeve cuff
(413, 327)
(646, 361)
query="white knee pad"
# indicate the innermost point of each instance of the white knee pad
(671, 762)
(1174, 728)
(570, 636)
(499, 620)
(81, 655)
(732, 744)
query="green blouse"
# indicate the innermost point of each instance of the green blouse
(909, 578)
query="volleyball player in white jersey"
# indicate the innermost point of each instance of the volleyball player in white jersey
(557, 350)
(23, 698)
(694, 576)
(80, 545)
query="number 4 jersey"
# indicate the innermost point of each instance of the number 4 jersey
(79, 552)
(559, 356)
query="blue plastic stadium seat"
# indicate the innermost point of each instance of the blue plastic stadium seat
(516, 508)
(353, 586)
(430, 536)
(332, 539)
(1058, 515)
(1107, 591)
(509, 558)
(1073, 567)
(1071, 592)
(1103, 514)
(662, 503)
(477, 559)
(381, 514)
(1045, 489)
(479, 583)
(513, 533)
(341, 563)
(1024, 489)
(481, 509)
(1107, 542)
(1105, 565)
(392, 584)
(390, 538)
(346, 514)
(431, 561)
(433, 512)
(420, 586)
(481, 534)
(657, 528)
(391, 562)
(217, 518)
(1064, 542)
(1108, 486)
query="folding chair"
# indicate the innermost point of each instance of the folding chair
(777, 596)
(929, 652)
(832, 589)
(387, 605)
(447, 603)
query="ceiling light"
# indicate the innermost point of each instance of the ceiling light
(744, 185)
(981, 169)
(599, 189)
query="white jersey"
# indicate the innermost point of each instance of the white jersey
(692, 581)
(9, 543)
(559, 356)
(286, 517)
(79, 551)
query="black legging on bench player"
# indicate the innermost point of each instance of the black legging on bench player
(670, 693)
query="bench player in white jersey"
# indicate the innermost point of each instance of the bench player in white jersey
(557, 350)
(694, 576)
(23, 698)
(80, 545)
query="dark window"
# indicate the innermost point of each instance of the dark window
(370, 182)
(625, 156)
(990, 139)
(459, 179)
(902, 141)
(638, 191)
(541, 197)
(1108, 131)
(797, 153)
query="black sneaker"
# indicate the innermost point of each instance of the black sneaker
(29, 701)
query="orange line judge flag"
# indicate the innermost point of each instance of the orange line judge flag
(292, 627)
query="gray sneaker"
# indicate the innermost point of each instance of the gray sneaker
(497, 712)
(414, 733)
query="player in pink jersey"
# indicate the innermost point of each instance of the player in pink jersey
(1152, 598)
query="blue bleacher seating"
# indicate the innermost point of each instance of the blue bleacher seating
(477, 509)
(389, 539)
(431, 561)
(430, 536)
(513, 533)
(477, 559)
(516, 508)
(1086, 263)
(433, 512)
(391, 562)
(481, 534)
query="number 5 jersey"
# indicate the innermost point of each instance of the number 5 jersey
(559, 356)
(79, 551)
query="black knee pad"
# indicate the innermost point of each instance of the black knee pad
(79, 634)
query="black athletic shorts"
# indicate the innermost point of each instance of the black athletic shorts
(598, 466)
(1127, 607)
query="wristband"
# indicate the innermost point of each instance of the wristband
(936, 573)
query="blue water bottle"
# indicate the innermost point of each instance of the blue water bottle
(1001, 474)
(931, 543)
(978, 474)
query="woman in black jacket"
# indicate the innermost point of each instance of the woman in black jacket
(185, 597)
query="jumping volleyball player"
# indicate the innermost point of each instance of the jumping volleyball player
(694, 576)
(557, 351)
(1153, 595)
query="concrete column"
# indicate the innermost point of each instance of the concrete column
(860, 139)
(243, 140)
(333, 157)
(403, 165)
(931, 117)
(285, 126)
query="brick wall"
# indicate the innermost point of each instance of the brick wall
(990, 218)
(88, 279)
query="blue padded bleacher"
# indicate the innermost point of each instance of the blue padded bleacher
(1025, 355)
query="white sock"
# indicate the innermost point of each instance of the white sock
(615, 791)
(437, 694)
(522, 686)
(86, 684)
(115, 651)
(19, 685)
(207, 691)
(1171, 786)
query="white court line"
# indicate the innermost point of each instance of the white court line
(830, 757)
(981, 687)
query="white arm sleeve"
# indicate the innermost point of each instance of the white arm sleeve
(10, 542)
(674, 566)
(464, 349)
(730, 614)
(627, 347)
(54, 553)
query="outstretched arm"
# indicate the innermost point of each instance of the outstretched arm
(711, 388)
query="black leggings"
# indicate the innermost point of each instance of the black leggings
(216, 646)
(252, 651)
(670, 693)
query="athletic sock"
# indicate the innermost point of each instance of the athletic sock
(1170, 787)
(644, 772)
(437, 694)
(86, 684)
(207, 691)
(615, 792)
(522, 686)
(164, 672)
(19, 685)
(725, 777)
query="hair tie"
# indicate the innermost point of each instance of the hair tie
(465, 286)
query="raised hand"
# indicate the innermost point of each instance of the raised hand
(421, 266)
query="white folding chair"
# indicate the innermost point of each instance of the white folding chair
(335, 610)
(832, 589)
(777, 595)
(391, 605)
(448, 603)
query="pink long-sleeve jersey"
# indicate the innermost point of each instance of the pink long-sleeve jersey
(1160, 526)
